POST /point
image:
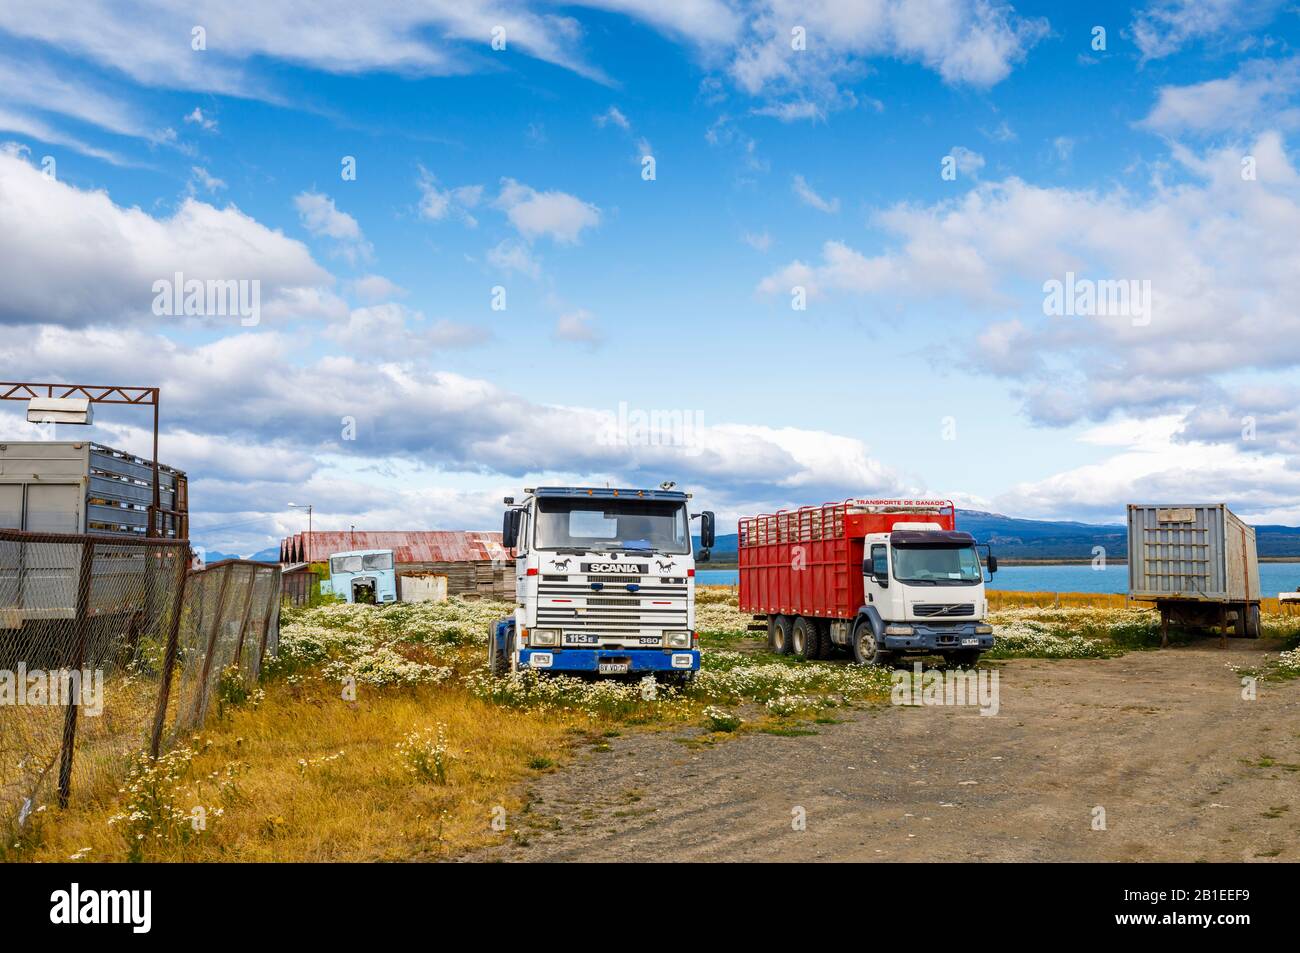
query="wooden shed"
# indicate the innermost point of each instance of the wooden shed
(475, 565)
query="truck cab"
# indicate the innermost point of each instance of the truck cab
(364, 576)
(604, 583)
(924, 589)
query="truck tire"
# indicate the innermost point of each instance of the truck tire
(778, 634)
(496, 660)
(804, 640)
(1252, 622)
(866, 651)
(825, 647)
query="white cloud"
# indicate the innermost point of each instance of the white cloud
(27, 125)
(968, 161)
(206, 123)
(509, 256)
(792, 111)
(1218, 253)
(615, 116)
(437, 204)
(759, 241)
(150, 40)
(578, 326)
(393, 331)
(812, 199)
(1063, 146)
(232, 391)
(375, 287)
(967, 42)
(206, 180)
(323, 219)
(1154, 461)
(557, 215)
(74, 257)
(1164, 27)
(32, 84)
(1259, 93)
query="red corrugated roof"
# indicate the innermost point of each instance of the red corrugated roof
(431, 546)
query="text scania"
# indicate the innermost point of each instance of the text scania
(75, 906)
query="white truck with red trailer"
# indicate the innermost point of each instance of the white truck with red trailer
(880, 578)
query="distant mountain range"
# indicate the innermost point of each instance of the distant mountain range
(1010, 538)
(1058, 539)
(269, 555)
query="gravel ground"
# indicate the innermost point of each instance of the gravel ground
(1184, 768)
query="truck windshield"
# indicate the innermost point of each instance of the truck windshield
(659, 526)
(361, 562)
(937, 565)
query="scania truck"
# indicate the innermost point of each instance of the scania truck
(880, 578)
(604, 583)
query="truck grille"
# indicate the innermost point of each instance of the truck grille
(929, 609)
(576, 607)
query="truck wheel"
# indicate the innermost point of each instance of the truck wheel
(1252, 622)
(512, 657)
(825, 647)
(496, 660)
(778, 634)
(866, 651)
(803, 639)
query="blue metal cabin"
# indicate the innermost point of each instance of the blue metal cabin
(363, 575)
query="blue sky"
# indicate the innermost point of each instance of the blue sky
(923, 362)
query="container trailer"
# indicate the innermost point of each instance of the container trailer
(1197, 563)
(605, 583)
(880, 578)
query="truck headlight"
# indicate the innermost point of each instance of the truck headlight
(899, 630)
(982, 629)
(678, 640)
(544, 637)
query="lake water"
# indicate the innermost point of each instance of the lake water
(1273, 578)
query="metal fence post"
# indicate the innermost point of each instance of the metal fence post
(81, 622)
(170, 652)
(272, 601)
(248, 610)
(201, 697)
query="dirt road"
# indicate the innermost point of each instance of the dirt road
(1184, 768)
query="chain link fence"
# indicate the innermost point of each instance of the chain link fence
(110, 645)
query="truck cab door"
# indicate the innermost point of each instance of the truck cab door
(875, 577)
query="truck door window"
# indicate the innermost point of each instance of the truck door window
(879, 561)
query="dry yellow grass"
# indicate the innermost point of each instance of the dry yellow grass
(291, 799)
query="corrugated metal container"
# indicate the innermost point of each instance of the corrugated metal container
(1200, 552)
(83, 487)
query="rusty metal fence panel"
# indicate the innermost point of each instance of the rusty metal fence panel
(109, 646)
(84, 626)
(229, 622)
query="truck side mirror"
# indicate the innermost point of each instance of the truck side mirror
(707, 534)
(510, 529)
(993, 564)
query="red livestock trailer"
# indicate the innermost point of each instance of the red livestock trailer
(808, 561)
